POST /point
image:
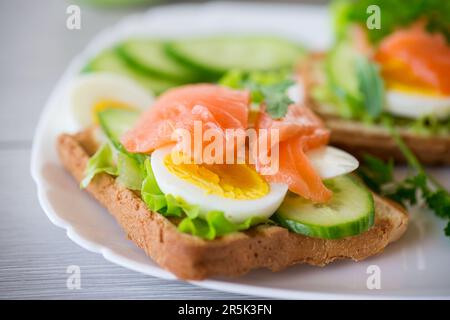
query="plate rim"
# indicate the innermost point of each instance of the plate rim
(104, 36)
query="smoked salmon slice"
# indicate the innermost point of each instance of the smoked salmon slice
(220, 109)
(417, 57)
(299, 131)
(296, 171)
(297, 121)
(216, 107)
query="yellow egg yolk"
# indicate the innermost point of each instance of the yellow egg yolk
(399, 77)
(233, 181)
(107, 104)
(416, 60)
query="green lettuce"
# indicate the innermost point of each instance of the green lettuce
(209, 226)
(101, 162)
(155, 199)
(215, 224)
(134, 171)
(394, 14)
(129, 171)
(426, 125)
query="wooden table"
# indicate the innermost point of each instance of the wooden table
(34, 254)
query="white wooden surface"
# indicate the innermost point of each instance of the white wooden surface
(34, 254)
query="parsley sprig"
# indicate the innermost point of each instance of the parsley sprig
(268, 87)
(378, 175)
(273, 95)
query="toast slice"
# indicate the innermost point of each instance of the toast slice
(359, 138)
(190, 257)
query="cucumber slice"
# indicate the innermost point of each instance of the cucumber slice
(150, 56)
(114, 123)
(341, 67)
(343, 80)
(110, 61)
(215, 56)
(349, 212)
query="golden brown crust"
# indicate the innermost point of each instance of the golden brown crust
(358, 138)
(189, 257)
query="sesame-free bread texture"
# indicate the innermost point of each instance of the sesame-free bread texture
(192, 258)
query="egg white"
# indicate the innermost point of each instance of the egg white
(296, 92)
(235, 210)
(416, 105)
(330, 162)
(89, 89)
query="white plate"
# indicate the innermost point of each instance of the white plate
(414, 267)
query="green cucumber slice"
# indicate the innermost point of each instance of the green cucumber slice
(110, 61)
(349, 212)
(215, 56)
(114, 123)
(341, 67)
(343, 80)
(149, 55)
(130, 166)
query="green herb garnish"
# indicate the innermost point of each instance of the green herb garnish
(376, 173)
(371, 85)
(418, 185)
(274, 96)
(269, 87)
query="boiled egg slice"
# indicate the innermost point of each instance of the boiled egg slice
(330, 162)
(416, 105)
(94, 92)
(235, 189)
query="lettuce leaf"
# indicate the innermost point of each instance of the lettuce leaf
(425, 125)
(101, 161)
(213, 224)
(233, 79)
(394, 14)
(134, 171)
(129, 171)
(153, 196)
